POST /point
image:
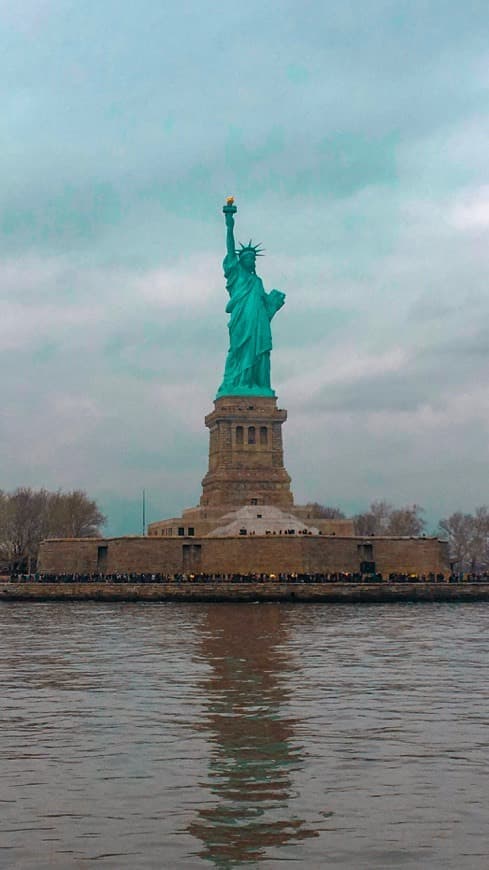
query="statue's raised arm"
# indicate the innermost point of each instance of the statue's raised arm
(229, 211)
(247, 370)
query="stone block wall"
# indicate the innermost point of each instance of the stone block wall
(242, 555)
(246, 462)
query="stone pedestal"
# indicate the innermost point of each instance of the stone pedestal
(246, 460)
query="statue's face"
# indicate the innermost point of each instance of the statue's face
(248, 261)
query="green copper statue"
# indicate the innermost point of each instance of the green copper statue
(247, 371)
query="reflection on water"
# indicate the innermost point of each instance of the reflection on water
(253, 745)
(219, 735)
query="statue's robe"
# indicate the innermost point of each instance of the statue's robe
(247, 370)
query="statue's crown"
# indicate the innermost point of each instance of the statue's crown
(257, 250)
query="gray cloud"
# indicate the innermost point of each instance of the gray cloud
(356, 155)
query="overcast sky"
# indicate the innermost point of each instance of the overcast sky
(354, 136)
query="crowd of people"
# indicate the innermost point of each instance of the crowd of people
(335, 577)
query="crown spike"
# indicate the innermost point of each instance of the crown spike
(257, 250)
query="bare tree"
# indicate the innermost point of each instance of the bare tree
(375, 521)
(73, 515)
(384, 519)
(321, 511)
(468, 539)
(28, 516)
(22, 527)
(407, 521)
(481, 537)
(4, 532)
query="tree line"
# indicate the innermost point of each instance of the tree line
(467, 533)
(28, 516)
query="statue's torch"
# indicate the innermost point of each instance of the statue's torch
(230, 207)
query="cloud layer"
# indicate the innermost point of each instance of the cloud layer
(355, 140)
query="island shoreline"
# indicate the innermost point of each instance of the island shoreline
(346, 593)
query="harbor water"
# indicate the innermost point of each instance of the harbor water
(255, 735)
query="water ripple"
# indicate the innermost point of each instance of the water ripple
(224, 735)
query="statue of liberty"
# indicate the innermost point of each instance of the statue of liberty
(247, 370)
